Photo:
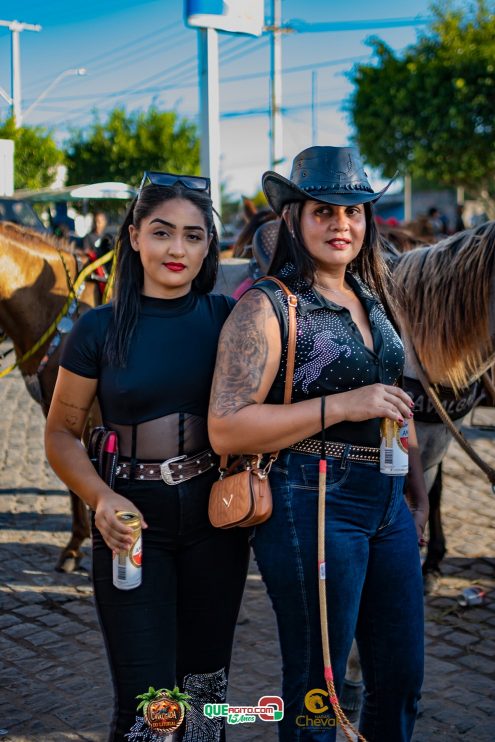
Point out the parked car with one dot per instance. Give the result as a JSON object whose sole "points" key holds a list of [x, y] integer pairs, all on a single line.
{"points": [[20, 212]]}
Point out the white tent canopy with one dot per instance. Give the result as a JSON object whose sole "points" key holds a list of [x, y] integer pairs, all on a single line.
{"points": [[93, 191]]}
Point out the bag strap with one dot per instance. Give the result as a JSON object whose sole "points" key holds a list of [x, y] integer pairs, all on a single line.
{"points": [[291, 358], [291, 345]]}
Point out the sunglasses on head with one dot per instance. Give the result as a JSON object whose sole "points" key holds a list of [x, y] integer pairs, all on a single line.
{"points": [[192, 182]]}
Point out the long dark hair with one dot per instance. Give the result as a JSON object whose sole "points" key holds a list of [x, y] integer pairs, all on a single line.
{"points": [[369, 264], [129, 275]]}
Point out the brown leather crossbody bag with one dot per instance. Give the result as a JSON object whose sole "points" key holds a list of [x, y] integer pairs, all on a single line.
{"points": [[242, 496]]}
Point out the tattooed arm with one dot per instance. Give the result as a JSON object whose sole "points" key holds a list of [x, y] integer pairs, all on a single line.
{"points": [[248, 359], [71, 402], [72, 399]]}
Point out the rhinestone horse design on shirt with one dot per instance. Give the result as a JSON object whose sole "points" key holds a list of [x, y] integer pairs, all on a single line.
{"points": [[324, 352]]}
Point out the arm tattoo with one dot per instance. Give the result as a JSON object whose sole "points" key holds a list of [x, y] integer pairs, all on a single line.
{"points": [[74, 406], [242, 356]]}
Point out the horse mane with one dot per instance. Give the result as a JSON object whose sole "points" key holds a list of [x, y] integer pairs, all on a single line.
{"points": [[443, 292], [402, 238], [33, 239]]}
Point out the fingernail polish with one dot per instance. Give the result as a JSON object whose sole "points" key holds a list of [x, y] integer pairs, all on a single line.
{"points": [[400, 421], [411, 414]]}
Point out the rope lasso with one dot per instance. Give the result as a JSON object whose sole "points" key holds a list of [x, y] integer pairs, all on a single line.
{"points": [[345, 723]]}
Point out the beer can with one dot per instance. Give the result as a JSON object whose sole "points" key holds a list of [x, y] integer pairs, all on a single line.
{"points": [[394, 458], [474, 595], [127, 564]]}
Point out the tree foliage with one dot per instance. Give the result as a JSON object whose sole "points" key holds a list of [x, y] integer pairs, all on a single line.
{"points": [[430, 111], [36, 155], [126, 144]]}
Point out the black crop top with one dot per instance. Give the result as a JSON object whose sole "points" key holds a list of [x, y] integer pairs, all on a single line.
{"points": [[171, 359], [331, 356]]}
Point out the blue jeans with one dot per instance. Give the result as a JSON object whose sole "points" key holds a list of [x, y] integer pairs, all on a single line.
{"points": [[374, 591]]}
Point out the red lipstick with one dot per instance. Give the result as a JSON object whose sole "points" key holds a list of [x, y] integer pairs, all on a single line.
{"points": [[176, 267]]}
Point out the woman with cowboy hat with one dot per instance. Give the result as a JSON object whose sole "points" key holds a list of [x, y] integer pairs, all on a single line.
{"points": [[348, 362]]}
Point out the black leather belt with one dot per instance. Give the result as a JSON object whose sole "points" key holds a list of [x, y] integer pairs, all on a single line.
{"points": [[173, 471], [353, 453]]}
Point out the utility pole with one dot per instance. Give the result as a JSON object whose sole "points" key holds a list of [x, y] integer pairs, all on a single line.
{"points": [[209, 91], [15, 27], [276, 143]]}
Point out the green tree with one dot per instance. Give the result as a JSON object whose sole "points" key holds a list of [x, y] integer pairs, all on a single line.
{"points": [[126, 144], [430, 111], [36, 155]]}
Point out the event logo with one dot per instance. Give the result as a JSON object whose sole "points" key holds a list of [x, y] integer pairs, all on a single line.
{"points": [[269, 708], [313, 700], [316, 702]]}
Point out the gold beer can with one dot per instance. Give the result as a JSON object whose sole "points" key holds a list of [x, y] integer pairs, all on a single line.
{"points": [[127, 573], [394, 444]]}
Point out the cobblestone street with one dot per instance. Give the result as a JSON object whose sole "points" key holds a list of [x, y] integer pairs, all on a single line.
{"points": [[53, 673]]}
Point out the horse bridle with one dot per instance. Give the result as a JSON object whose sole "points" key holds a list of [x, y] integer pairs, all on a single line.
{"points": [[445, 417], [59, 327]]}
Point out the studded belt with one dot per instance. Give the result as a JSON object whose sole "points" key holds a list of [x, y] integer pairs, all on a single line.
{"points": [[173, 471], [338, 450]]}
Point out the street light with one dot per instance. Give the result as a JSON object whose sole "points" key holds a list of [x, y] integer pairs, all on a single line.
{"points": [[79, 71]]}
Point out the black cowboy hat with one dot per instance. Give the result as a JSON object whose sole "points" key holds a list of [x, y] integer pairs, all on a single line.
{"points": [[334, 175]]}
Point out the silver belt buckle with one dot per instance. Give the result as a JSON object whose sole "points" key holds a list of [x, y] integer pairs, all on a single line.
{"points": [[165, 469]]}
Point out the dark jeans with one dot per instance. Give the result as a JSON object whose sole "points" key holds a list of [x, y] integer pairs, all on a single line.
{"points": [[374, 591], [181, 619]]}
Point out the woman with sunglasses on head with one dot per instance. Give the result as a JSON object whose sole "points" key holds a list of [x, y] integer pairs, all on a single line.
{"points": [[148, 358], [348, 363]]}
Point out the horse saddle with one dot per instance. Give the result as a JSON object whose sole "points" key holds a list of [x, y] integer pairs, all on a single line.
{"points": [[264, 242]]}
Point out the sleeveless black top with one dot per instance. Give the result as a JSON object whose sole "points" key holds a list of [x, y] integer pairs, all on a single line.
{"points": [[331, 356]]}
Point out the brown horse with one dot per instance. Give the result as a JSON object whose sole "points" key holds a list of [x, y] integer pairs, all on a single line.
{"points": [[34, 273]]}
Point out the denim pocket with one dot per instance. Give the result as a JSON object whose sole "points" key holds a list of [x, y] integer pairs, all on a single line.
{"points": [[336, 474], [279, 469]]}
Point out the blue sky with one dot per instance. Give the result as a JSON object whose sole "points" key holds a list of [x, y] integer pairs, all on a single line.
{"points": [[138, 53]]}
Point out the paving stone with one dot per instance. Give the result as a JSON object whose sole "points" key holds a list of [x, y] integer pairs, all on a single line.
{"points": [[55, 620], [17, 652], [8, 620], [20, 630], [444, 651], [44, 638], [478, 663], [488, 707], [53, 673], [462, 639], [31, 611], [482, 732], [486, 646], [35, 516]]}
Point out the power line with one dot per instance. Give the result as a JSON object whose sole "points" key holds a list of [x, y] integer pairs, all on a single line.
{"points": [[183, 65], [232, 78], [324, 27], [111, 52], [264, 111]]}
